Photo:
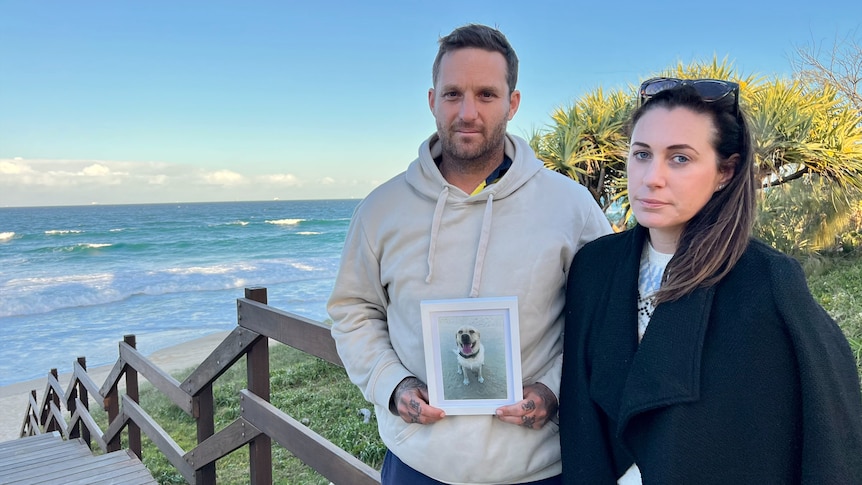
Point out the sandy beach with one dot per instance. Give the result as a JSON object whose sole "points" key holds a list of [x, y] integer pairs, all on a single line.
{"points": [[13, 398]]}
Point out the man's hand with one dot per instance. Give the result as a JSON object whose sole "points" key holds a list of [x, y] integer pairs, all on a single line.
{"points": [[538, 406], [410, 401]]}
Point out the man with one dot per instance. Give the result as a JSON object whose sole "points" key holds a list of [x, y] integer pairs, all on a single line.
{"points": [[476, 215]]}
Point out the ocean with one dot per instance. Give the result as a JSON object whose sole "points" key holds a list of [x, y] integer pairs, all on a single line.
{"points": [[75, 280]]}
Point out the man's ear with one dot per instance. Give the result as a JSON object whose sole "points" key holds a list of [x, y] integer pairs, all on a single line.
{"points": [[514, 102], [431, 99]]}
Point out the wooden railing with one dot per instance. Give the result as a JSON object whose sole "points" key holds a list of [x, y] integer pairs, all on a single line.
{"points": [[258, 424]]}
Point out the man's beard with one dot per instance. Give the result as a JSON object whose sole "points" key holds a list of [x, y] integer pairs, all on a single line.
{"points": [[467, 155]]}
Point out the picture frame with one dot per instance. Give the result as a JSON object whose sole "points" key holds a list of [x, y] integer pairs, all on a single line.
{"points": [[472, 354]]}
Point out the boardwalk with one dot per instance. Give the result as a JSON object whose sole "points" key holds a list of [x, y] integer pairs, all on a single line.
{"points": [[48, 459]]}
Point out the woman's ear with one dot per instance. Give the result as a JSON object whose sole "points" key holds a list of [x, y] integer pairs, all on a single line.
{"points": [[726, 171]]}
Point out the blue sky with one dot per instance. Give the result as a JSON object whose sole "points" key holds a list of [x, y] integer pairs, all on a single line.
{"points": [[185, 101]]}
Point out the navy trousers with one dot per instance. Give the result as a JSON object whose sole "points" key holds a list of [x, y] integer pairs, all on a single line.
{"points": [[396, 472]]}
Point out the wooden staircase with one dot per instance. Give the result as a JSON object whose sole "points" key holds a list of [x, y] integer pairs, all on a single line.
{"points": [[48, 459]]}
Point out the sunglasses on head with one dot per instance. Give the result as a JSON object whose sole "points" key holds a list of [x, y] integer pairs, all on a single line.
{"points": [[710, 90]]}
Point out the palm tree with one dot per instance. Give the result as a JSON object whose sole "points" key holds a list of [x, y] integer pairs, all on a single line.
{"points": [[588, 143], [799, 130], [809, 214]]}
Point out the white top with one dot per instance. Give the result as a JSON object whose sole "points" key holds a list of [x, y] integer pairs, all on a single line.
{"points": [[650, 274]]}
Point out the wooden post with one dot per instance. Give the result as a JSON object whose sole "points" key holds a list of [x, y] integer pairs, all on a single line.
{"points": [[48, 422], [132, 391], [85, 401], [204, 410], [72, 406], [257, 362], [111, 404], [27, 425]]}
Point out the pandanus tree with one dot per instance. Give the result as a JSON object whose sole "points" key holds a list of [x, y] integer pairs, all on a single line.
{"points": [[800, 130], [587, 141]]}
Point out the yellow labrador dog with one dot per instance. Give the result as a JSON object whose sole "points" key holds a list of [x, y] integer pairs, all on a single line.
{"points": [[471, 353]]}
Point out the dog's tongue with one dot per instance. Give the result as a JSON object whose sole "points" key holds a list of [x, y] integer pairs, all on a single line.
{"points": [[467, 349]]}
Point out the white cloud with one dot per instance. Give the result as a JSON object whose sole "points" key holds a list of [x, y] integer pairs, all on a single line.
{"points": [[96, 170], [12, 167], [224, 177], [160, 179], [287, 179], [31, 182]]}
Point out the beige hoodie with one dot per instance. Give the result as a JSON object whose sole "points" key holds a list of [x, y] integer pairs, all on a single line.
{"points": [[417, 237]]}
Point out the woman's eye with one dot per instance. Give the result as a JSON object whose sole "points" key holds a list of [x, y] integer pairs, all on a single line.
{"points": [[680, 158], [640, 155]]}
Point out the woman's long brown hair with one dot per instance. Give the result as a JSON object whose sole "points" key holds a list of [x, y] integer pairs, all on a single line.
{"points": [[715, 238]]}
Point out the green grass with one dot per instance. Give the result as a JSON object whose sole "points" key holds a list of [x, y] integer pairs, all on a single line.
{"points": [[320, 396], [837, 284]]}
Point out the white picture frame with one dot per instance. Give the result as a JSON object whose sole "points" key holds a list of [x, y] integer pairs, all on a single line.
{"points": [[456, 388]]}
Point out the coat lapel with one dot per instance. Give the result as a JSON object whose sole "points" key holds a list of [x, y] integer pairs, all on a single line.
{"points": [[666, 366], [613, 334], [627, 378]]}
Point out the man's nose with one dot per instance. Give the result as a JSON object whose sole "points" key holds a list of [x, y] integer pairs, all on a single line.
{"points": [[468, 109]]}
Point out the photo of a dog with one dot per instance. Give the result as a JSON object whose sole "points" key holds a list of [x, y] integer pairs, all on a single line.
{"points": [[471, 353], [472, 358], [482, 370]]}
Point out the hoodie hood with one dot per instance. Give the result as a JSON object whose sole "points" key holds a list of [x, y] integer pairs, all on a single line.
{"points": [[425, 177]]}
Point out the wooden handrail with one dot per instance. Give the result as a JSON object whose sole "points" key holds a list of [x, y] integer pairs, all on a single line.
{"points": [[259, 423], [335, 464], [80, 376], [231, 349], [159, 437], [298, 332], [82, 414], [221, 444], [160, 379]]}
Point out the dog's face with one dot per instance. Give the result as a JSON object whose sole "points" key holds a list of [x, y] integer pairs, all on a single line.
{"points": [[467, 340]]}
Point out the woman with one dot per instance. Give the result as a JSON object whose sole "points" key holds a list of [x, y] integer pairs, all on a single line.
{"points": [[694, 354]]}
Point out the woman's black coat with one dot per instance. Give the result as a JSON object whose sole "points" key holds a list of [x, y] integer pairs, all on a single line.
{"points": [[748, 381]]}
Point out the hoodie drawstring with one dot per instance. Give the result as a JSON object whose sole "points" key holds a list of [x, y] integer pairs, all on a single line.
{"points": [[482, 249], [435, 229]]}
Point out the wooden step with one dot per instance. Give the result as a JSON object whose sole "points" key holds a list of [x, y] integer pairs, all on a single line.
{"points": [[48, 459]]}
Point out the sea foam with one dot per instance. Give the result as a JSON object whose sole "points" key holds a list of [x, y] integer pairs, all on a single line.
{"points": [[285, 222]]}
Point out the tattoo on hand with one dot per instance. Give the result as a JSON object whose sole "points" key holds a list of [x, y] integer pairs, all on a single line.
{"points": [[529, 405], [414, 406], [548, 398], [528, 421], [408, 384], [415, 411]]}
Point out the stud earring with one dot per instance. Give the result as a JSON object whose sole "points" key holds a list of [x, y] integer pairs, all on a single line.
{"points": [[720, 186]]}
